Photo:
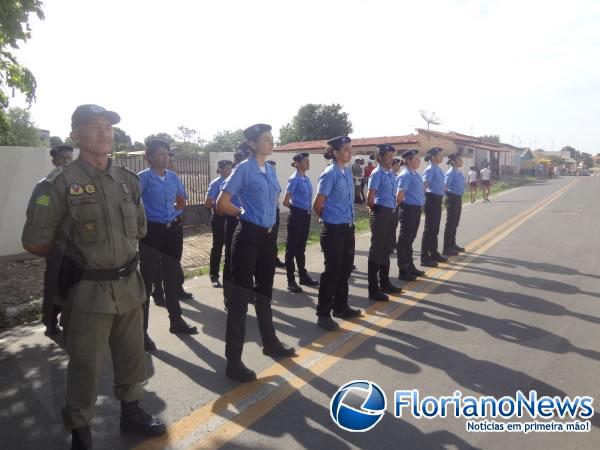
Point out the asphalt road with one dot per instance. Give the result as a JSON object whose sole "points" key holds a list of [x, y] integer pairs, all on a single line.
{"points": [[518, 311]]}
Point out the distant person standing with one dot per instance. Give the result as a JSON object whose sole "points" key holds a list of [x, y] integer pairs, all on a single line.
{"points": [[433, 179], [472, 179], [61, 156], [162, 194], [357, 176], [410, 199], [334, 204], [383, 220], [486, 181], [397, 167], [455, 188], [218, 220], [298, 198]]}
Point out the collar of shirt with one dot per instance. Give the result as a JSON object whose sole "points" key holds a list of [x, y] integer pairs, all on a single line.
{"points": [[93, 171]]}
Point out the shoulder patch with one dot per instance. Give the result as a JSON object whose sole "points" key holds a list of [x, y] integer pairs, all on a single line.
{"points": [[129, 171], [54, 174]]}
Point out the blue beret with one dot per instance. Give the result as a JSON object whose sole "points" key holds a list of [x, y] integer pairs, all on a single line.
{"points": [[384, 148], [409, 154], [253, 133], [454, 156], [300, 156], [338, 141]]}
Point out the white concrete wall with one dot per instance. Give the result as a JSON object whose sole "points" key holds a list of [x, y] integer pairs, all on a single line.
{"points": [[20, 170]]}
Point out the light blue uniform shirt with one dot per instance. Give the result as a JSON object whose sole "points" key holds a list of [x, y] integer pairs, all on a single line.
{"points": [[455, 181], [159, 196], [337, 185], [434, 175], [301, 189], [258, 192], [214, 188], [384, 183], [411, 184]]}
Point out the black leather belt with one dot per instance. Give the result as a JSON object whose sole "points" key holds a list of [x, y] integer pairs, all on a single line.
{"points": [[111, 274]]}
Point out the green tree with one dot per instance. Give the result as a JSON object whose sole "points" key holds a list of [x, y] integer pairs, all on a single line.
{"points": [[121, 140], [587, 160], [314, 122], [138, 146], [55, 141], [490, 138], [22, 131], [188, 149], [225, 141], [14, 28], [162, 136]]}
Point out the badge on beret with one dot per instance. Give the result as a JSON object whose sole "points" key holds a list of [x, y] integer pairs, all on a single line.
{"points": [[125, 188], [89, 188], [75, 189]]}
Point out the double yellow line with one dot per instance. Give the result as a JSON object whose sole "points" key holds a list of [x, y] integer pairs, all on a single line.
{"points": [[293, 375]]}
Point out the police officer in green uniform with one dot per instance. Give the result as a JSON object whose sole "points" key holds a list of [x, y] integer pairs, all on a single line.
{"points": [[91, 211]]}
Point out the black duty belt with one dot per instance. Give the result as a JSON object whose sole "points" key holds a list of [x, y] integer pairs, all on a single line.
{"points": [[111, 274]]}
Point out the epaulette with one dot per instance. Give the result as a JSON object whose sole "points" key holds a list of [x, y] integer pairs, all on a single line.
{"points": [[54, 174], [129, 171]]}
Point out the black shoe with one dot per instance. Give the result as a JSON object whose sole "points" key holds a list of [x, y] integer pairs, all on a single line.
{"points": [[348, 313], [239, 372], [459, 249], [278, 350], [149, 344], [159, 300], [327, 323], [279, 264], [81, 438], [389, 288], [450, 252], [439, 258], [416, 272], [216, 283], [353, 267], [183, 295], [429, 263], [135, 419], [378, 296], [180, 327], [306, 280], [406, 276], [293, 287]]}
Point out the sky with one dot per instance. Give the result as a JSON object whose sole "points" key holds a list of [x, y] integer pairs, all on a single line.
{"points": [[528, 71]]}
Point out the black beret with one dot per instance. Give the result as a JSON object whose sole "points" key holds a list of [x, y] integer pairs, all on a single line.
{"points": [[60, 148], [382, 149], [338, 141], [86, 113], [300, 156], [454, 156], [409, 154], [432, 152], [253, 133]]}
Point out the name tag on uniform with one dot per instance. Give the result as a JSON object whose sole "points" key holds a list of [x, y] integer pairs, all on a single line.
{"points": [[84, 201], [125, 188]]}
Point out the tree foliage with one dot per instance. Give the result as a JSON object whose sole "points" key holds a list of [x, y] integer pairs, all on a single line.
{"points": [[225, 141], [490, 138], [121, 140], [55, 141], [315, 122], [22, 131], [14, 29], [162, 136]]}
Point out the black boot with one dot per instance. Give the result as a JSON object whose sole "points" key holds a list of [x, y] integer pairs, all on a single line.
{"points": [[159, 298], [149, 344], [214, 281], [279, 264], [406, 275], [239, 372], [327, 323], [306, 280], [81, 438], [450, 251], [278, 350], [429, 263], [134, 418], [178, 326], [374, 292], [439, 258], [293, 286], [416, 272], [384, 281]]}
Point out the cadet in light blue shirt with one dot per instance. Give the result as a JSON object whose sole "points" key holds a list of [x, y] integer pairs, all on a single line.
{"points": [[410, 199], [334, 204], [381, 200], [299, 199], [455, 188], [253, 252], [160, 193], [433, 177], [217, 221]]}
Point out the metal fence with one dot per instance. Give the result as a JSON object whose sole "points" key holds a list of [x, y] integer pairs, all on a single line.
{"points": [[193, 171]]}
